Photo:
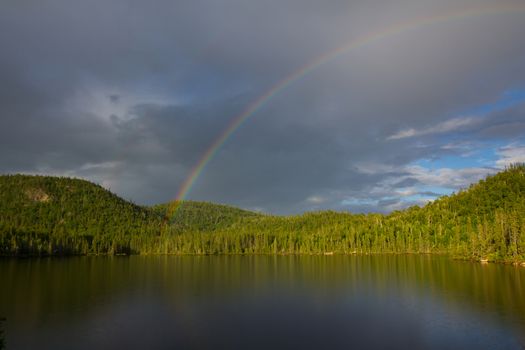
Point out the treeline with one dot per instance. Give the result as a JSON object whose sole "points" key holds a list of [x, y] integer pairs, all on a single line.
{"points": [[45, 215], [200, 216], [42, 215]]}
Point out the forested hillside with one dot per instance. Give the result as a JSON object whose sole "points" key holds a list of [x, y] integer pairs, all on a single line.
{"points": [[45, 215], [49, 215], [200, 216]]}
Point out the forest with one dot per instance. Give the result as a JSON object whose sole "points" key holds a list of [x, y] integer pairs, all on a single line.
{"points": [[43, 215]]}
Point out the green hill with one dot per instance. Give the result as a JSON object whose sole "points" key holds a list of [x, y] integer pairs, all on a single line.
{"points": [[48, 215], [201, 216], [485, 221], [45, 215]]}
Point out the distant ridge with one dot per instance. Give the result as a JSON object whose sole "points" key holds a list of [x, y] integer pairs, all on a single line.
{"points": [[203, 216], [44, 215]]}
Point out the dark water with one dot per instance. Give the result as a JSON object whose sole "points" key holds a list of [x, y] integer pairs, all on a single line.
{"points": [[265, 302]]}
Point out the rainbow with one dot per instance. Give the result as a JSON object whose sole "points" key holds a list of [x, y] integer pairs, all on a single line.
{"points": [[368, 39]]}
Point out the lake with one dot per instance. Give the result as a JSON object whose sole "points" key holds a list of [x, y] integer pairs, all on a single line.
{"points": [[261, 302]]}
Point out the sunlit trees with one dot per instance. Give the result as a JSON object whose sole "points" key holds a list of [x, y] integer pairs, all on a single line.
{"points": [[47, 216]]}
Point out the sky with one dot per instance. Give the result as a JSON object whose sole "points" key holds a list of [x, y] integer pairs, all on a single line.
{"points": [[402, 101]]}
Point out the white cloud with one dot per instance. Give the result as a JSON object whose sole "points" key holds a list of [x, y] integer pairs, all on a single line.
{"points": [[454, 179], [408, 192], [462, 148], [513, 153], [421, 185], [315, 199], [99, 166], [446, 126], [441, 177], [372, 168]]}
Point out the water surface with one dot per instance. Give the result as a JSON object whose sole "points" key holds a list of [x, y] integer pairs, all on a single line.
{"points": [[261, 302]]}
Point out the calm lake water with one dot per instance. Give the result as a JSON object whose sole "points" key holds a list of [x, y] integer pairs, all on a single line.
{"points": [[265, 302]]}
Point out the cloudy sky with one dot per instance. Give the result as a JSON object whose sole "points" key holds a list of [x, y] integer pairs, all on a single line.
{"points": [[131, 94]]}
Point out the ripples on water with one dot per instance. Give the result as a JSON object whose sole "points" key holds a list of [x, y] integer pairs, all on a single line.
{"points": [[247, 302]]}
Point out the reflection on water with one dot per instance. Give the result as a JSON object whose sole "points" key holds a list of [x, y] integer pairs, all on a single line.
{"points": [[2, 339], [262, 302]]}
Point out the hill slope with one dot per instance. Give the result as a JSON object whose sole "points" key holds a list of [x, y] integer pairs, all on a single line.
{"points": [[43, 214], [485, 221], [201, 216], [46, 215]]}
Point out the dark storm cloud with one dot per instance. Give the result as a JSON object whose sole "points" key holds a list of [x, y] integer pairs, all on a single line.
{"points": [[407, 182], [131, 94], [505, 124], [429, 194]]}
